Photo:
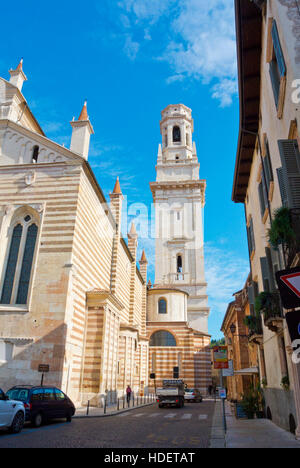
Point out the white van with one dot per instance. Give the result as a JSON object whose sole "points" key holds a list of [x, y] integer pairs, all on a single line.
{"points": [[12, 414]]}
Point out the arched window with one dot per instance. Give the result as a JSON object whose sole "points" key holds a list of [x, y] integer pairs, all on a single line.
{"points": [[176, 134], [22, 244], [162, 306], [35, 154], [179, 264], [162, 338]]}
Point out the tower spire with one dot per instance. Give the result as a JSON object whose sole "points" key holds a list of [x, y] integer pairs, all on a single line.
{"points": [[81, 133], [17, 76]]}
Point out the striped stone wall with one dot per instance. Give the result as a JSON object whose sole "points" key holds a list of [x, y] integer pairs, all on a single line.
{"points": [[191, 355]]}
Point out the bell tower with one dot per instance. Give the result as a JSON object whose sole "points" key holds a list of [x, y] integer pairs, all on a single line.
{"points": [[179, 198]]}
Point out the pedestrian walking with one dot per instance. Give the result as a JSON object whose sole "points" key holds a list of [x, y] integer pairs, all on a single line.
{"points": [[128, 394]]}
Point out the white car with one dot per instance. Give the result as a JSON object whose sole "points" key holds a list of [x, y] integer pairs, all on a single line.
{"points": [[193, 395], [12, 414]]}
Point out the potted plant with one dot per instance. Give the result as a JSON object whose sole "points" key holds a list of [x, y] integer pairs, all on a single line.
{"points": [[250, 404], [268, 304], [282, 233], [264, 382], [285, 383]]}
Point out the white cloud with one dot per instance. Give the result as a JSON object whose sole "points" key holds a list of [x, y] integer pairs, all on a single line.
{"points": [[131, 48], [224, 91], [226, 273], [201, 40], [143, 9]]}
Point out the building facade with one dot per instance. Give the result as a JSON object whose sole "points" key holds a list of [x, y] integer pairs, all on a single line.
{"points": [[244, 355], [177, 304], [71, 294], [267, 178]]}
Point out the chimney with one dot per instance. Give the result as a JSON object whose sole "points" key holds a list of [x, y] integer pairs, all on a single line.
{"points": [[17, 76], [82, 131]]}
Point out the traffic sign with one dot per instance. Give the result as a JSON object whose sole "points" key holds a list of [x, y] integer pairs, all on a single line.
{"points": [[288, 282], [222, 393], [220, 357], [44, 368]]}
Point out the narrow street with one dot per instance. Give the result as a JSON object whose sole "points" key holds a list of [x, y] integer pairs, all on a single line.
{"points": [[148, 427]]}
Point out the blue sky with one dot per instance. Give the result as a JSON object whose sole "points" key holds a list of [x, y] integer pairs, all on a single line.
{"points": [[130, 59]]}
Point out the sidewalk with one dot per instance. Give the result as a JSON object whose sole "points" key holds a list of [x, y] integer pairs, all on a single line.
{"points": [[256, 433], [111, 410]]}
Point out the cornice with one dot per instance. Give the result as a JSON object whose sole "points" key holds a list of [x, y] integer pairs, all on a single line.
{"points": [[101, 297], [161, 290]]}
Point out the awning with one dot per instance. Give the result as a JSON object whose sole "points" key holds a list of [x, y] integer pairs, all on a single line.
{"points": [[249, 371]]}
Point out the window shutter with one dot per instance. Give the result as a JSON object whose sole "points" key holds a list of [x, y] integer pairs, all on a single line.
{"points": [[290, 158], [249, 241], [282, 187], [252, 235], [275, 80], [265, 273], [278, 49], [268, 166], [270, 269], [263, 201], [251, 298]]}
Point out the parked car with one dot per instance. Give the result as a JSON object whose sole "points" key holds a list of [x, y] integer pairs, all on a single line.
{"points": [[193, 395], [12, 414], [43, 403]]}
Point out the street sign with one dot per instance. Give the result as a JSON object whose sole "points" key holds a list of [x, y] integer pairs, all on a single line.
{"points": [[293, 323], [230, 371], [288, 282], [222, 393], [44, 368], [220, 354]]}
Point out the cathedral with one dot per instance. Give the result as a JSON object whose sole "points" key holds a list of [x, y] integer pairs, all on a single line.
{"points": [[73, 294]]}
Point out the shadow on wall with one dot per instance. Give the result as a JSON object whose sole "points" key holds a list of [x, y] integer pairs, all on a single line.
{"points": [[23, 357]]}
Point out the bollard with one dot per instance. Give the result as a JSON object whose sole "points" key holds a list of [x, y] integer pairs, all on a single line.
{"points": [[123, 401], [88, 408], [118, 404], [105, 405]]}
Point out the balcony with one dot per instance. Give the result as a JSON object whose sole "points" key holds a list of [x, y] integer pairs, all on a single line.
{"points": [[268, 304], [274, 320], [255, 327]]}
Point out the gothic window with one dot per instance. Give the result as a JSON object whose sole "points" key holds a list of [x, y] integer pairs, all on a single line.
{"points": [[35, 154], [21, 249], [162, 338], [162, 306], [176, 134]]}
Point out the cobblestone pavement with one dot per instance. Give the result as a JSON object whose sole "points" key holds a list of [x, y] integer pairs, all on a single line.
{"points": [[149, 427]]}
